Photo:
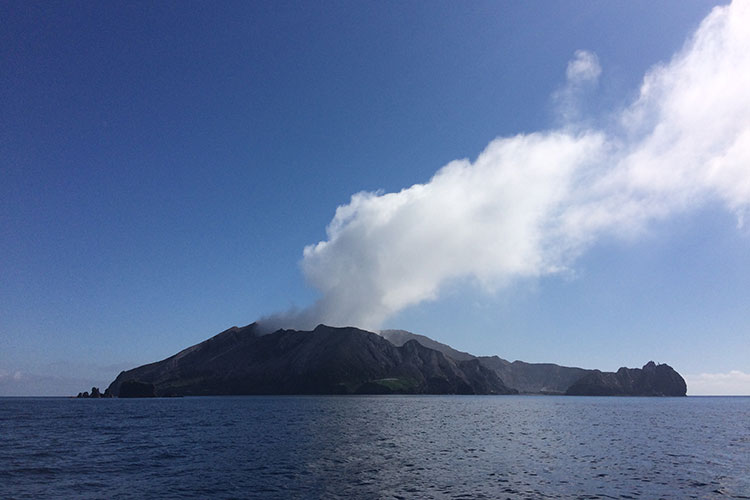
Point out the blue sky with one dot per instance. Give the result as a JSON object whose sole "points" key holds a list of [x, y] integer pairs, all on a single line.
{"points": [[164, 166]]}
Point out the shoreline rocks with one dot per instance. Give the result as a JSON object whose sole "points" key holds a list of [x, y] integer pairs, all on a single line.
{"points": [[95, 394]]}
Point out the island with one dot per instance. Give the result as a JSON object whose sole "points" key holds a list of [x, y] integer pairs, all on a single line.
{"points": [[331, 360]]}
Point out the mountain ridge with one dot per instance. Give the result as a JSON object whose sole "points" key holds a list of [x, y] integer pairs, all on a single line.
{"points": [[527, 378], [348, 360], [326, 360]]}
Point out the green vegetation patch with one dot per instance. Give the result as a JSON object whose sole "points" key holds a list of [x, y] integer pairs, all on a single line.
{"points": [[397, 384]]}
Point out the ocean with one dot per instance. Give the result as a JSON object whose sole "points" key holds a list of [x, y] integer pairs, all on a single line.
{"points": [[375, 447]]}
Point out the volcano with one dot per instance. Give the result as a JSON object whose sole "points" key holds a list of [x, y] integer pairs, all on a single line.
{"points": [[329, 360]]}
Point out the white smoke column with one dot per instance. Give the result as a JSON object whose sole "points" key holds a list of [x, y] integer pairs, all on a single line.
{"points": [[530, 204]]}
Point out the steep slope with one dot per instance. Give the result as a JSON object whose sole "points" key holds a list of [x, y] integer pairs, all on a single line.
{"points": [[530, 378], [534, 378], [324, 361], [401, 337]]}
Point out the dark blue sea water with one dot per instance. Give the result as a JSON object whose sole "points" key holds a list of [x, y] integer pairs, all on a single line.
{"points": [[375, 447]]}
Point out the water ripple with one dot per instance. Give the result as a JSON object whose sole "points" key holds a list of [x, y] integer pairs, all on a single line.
{"points": [[376, 447]]}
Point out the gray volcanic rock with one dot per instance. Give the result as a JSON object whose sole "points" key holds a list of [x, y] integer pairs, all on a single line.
{"points": [[527, 378], [534, 378], [549, 378], [351, 361], [401, 337], [94, 394], [651, 380], [323, 361], [136, 389]]}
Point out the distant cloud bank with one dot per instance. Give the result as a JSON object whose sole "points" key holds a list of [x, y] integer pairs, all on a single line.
{"points": [[529, 205], [734, 383]]}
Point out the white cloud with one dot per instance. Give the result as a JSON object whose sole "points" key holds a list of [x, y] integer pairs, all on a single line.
{"points": [[487, 219], [734, 383], [530, 204], [582, 76], [584, 67]]}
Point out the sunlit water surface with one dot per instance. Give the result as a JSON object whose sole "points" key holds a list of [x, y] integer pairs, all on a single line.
{"points": [[375, 447]]}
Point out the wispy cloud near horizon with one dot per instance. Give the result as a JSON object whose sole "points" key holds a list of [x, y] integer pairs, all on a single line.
{"points": [[530, 204], [732, 383]]}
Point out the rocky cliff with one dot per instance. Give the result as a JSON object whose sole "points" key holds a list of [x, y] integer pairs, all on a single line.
{"points": [[549, 378], [651, 380], [526, 378]]}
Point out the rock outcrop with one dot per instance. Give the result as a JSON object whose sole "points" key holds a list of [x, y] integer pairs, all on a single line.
{"points": [[94, 394], [651, 380]]}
